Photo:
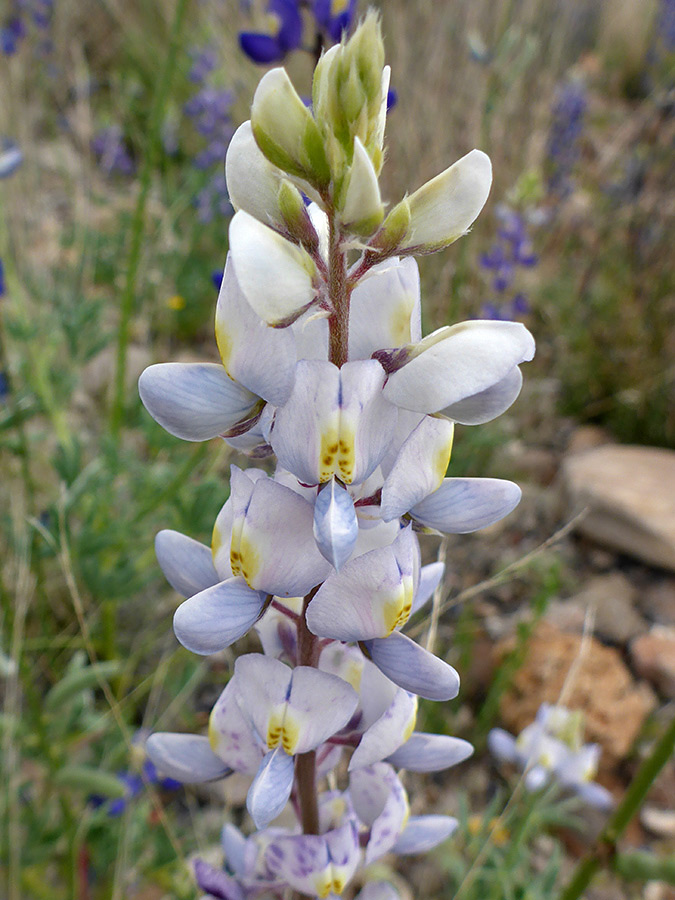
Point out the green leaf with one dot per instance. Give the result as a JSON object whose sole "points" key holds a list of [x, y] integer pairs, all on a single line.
{"points": [[80, 680], [91, 781]]}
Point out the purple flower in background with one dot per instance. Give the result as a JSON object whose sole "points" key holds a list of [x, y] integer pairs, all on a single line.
{"points": [[134, 784], [562, 146], [666, 26], [10, 35], [335, 16], [2, 279], [204, 61], [26, 15], [512, 250], [284, 33], [110, 150]]}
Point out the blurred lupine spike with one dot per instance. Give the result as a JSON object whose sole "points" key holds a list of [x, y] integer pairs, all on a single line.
{"points": [[112, 154], [563, 142], [325, 367], [512, 251], [551, 749]]}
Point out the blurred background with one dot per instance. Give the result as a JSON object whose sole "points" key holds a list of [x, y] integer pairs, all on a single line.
{"points": [[115, 118]]}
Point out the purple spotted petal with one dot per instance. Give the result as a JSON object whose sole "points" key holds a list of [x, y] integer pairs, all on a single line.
{"points": [[413, 668], [232, 735], [186, 757], [463, 505], [302, 861], [335, 524], [381, 803], [218, 616], [216, 883], [187, 564], [423, 833], [271, 788], [195, 401]]}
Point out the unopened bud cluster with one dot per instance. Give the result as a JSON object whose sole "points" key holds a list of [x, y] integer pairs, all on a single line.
{"points": [[326, 377]]}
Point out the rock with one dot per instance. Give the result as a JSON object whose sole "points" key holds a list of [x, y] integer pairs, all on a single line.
{"points": [[567, 615], [660, 822], [630, 495], [657, 601], [653, 656], [612, 597], [602, 687], [99, 373]]}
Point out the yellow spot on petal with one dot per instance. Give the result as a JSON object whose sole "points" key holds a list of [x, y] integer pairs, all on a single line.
{"points": [[275, 727], [176, 302], [338, 6], [225, 346], [346, 459], [441, 460], [249, 560], [323, 882], [327, 454], [400, 322], [216, 541], [339, 882], [410, 725]]}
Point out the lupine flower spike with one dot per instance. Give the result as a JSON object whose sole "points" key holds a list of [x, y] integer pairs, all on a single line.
{"points": [[327, 379], [552, 749]]}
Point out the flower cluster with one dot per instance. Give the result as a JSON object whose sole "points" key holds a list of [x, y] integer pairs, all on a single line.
{"points": [[282, 28], [552, 748], [24, 16], [111, 152], [562, 146], [209, 110], [326, 376], [512, 250]]}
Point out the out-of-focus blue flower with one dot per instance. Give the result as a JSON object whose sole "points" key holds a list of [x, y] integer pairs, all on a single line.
{"points": [[283, 34], [512, 250], [11, 157], [4, 386], [2, 279], [10, 36], [134, 784], [562, 146], [335, 16], [666, 26], [26, 14], [217, 278], [111, 153], [209, 110]]}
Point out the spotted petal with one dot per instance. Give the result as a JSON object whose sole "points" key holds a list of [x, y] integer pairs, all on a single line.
{"points": [[371, 596], [186, 757], [413, 668], [381, 803], [463, 505], [419, 468], [271, 788], [297, 709], [423, 833], [316, 865], [187, 564], [275, 275], [217, 883], [257, 356], [457, 362], [195, 401], [218, 616], [430, 752], [232, 735]]}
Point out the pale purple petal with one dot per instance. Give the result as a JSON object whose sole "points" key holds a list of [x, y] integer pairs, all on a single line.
{"points": [[388, 732], [335, 524], [430, 578], [423, 833], [187, 564], [378, 890], [216, 883], [595, 795], [302, 862], [195, 401], [345, 854], [536, 778], [218, 616], [502, 745], [186, 757], [463, 505], [367, 420], [273, 544], [254, 354], [419, 468], [381, 803], [234, 847], [232, 735], [489, 403], [370, 596], [430, 752], [413, 668], [271, 788]]}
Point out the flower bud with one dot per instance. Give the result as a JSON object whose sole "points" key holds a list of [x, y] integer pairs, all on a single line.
{"points": [[295, 216], [285, 130], [393, 230], [361, 204]]}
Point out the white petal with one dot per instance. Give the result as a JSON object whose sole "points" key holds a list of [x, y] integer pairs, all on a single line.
{"points": [[218, 616], [423, 833], [194, 401], [271, 788], [388, 732], [385, 309], [430, 753], [414, 668], [430, 578], [252, 180], [419, 468], [275, 275], [254, 354], [458, 362], [231, 734], [444, 208]]}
